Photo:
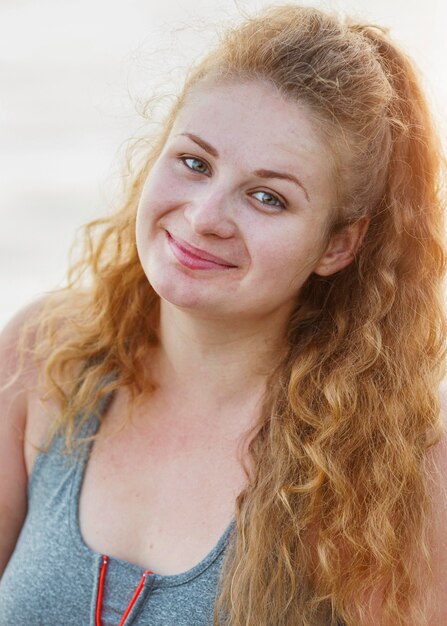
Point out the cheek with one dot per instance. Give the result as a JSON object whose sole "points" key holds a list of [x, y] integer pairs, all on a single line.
{"points": [[285, 261], [159, 195], [290, 255]]}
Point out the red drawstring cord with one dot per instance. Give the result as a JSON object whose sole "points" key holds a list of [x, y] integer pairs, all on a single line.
{"points": [[135, 597], [102, 576]]}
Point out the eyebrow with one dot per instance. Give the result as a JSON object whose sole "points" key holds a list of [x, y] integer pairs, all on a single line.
{"points": [[262, 173]]}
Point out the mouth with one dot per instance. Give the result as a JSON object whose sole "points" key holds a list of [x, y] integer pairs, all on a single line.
{"points": [[193, 257]]}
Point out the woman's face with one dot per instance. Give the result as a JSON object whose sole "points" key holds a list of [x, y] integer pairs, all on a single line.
{"points": [[232, 216]]}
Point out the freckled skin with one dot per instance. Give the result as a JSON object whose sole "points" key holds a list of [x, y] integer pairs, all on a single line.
{"points": [[218, 205]]}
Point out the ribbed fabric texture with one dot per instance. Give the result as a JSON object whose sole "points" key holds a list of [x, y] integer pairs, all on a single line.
{"points": [[52, 577]]}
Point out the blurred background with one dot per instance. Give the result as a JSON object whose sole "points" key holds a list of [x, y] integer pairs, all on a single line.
{"points": [[74, 78]]}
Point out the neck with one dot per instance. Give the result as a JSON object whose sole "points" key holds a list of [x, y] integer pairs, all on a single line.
{"points": [[214, 362]]}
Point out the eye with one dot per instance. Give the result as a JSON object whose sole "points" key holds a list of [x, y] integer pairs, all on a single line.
{"points": [[197, 165], [271, 200]]}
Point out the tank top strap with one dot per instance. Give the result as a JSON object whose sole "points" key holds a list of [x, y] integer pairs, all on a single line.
{"points": [[54, 458]]}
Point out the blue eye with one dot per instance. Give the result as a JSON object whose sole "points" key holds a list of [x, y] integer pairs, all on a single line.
{"points": [[274, 201], [192, 167], [201, 167]]}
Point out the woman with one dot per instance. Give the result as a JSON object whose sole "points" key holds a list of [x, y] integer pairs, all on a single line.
{"points": [[241, 403]]}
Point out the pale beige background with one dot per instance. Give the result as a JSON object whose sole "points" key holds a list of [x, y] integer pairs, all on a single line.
{"points": [[73, 75]]}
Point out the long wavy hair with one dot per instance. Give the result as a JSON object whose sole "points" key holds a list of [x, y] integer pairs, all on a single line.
{"points": [[336, 506]]}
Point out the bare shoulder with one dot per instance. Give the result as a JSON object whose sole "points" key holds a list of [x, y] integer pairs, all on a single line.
{"points": [[17, 370], [17, 375], [23, 420], [438, 454], [443, 399], [437, 466]]}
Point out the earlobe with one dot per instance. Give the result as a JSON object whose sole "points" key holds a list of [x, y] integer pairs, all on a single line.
{"points": [[342, 247]]}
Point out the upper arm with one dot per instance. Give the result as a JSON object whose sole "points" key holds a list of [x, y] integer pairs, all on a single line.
{"points": [[13, 413]]}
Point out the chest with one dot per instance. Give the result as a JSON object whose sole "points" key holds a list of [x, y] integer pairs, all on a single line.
{"points": [[159, 498], [158, 491]]}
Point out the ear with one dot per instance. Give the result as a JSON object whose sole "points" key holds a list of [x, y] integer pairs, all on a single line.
{"points": [[342, 248]]}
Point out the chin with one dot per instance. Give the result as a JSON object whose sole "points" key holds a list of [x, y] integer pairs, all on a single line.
{"points": [[182, 292]]}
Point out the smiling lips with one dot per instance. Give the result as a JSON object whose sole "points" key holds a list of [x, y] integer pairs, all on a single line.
{"points": [[195, 258]]}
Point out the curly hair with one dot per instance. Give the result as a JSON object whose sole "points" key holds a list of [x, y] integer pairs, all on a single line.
{"points": [[338, 499]]}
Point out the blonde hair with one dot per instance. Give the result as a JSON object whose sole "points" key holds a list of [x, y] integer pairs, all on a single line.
{"points": [[338, 501]]}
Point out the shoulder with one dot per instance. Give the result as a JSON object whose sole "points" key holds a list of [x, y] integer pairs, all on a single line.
{"points": [[18, 378], [17, 369], [437, 468], [443, 400], [19, 366], [23, 417], [437, 455]]}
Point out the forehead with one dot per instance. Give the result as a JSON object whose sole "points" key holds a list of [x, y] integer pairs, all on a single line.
{"points": [[253, 124], [255, 109]]}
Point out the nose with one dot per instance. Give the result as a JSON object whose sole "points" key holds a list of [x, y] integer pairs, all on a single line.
{"points": [[210, 213]]}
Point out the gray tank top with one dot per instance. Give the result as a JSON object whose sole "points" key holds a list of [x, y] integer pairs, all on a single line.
{"points": [[53, 578]]}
